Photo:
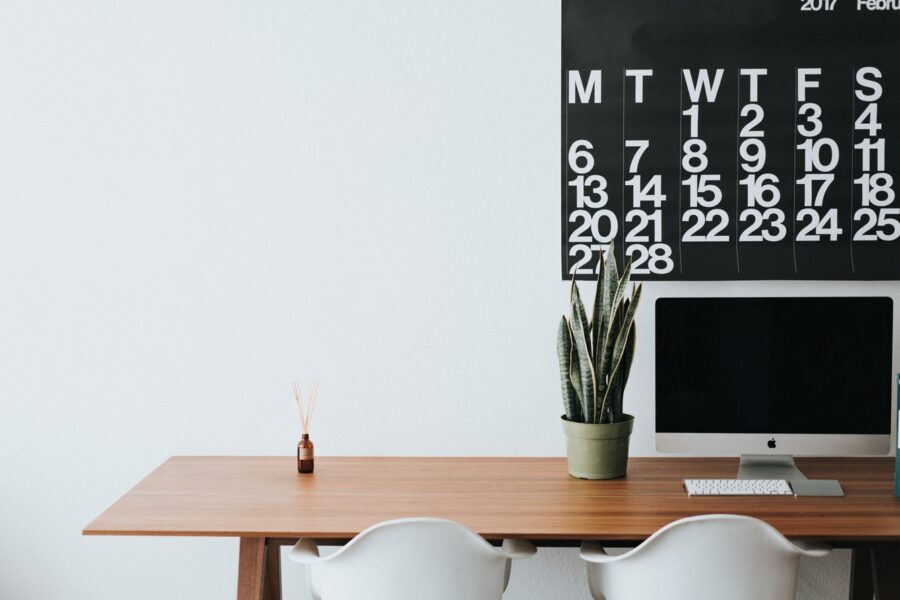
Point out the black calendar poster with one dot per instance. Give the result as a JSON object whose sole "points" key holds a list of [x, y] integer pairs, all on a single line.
{"points": [[732, 139]]}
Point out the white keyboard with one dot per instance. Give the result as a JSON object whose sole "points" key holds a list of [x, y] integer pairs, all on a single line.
{"points": [[737, 487]]}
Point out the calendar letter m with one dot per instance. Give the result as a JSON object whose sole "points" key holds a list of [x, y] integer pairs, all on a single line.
{"points": [[583, 93]]}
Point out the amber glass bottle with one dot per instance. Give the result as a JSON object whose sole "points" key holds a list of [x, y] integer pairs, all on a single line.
{"points": [[305, 457]]}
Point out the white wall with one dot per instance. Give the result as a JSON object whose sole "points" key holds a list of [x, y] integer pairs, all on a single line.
{"points": [[202, 200]]}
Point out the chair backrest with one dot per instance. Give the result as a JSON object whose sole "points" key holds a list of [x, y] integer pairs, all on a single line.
{"points": [[412, 559], [711, 557]]}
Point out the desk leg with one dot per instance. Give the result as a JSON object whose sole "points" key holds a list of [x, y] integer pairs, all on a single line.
{"points": [[251, 568], [885, 565], [259, 570], [862, 587], [272, 583], [874, 571]]}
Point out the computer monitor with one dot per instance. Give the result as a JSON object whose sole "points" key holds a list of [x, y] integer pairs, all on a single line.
{"points": [[795, 376]]}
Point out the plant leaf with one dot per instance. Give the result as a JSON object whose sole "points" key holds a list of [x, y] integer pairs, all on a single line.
{"points": [[611, 264], [629, 352], [617, 395], [580, 336], [614, 406], [571, 403], [613, 328], [575, 370], [597, 309], [606, 287], [620, 344], [579, 313], [610, 278]]}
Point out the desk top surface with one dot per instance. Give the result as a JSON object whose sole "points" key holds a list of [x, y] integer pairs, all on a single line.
{"points": [[498, 497]]}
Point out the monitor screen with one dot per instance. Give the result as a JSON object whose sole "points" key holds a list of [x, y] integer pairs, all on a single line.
{"points": [[774, 365]]}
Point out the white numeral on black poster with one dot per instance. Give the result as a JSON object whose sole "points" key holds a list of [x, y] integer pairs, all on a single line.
{"points": [[761, 214], [595, 225], [877, 218]]}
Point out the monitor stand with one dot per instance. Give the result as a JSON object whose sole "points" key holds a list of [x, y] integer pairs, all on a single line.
{"points": [[769, 466]]}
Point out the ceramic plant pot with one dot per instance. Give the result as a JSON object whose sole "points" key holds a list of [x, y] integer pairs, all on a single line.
{"points": [[598, 451]]}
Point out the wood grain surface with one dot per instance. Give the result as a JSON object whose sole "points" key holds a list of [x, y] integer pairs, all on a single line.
{"points": [[251, 568], [532, 498]]}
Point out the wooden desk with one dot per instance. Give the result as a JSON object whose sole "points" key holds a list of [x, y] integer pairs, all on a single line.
{"points": [[264, 502]]}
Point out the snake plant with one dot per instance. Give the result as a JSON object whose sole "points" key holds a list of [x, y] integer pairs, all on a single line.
{"points": [[595, 354]]}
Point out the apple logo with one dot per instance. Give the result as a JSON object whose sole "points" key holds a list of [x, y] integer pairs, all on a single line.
{"points": [[771, 443]]}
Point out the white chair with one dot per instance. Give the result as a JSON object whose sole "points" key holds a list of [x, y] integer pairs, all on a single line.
{"points": [[411, 559], [711, 557]]}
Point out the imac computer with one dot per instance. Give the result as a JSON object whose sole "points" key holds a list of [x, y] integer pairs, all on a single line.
{"points": [[768, 378]]}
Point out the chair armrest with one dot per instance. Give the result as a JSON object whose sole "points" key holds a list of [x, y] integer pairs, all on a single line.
{"points": [[305, 551], [812, 548], [592, 551], [515, 548]]}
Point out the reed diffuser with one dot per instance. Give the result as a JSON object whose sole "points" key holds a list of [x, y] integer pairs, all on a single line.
{"points": [[305, 449]]}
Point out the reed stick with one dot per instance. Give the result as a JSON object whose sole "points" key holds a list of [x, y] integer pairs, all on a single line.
{"points": [[305, 407]]}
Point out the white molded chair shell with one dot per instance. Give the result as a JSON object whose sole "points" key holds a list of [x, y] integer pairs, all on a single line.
{"points": [[411, 559], [710, 557]]}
